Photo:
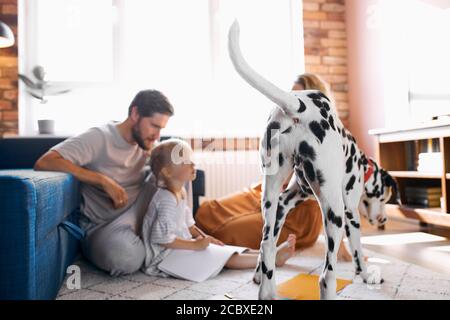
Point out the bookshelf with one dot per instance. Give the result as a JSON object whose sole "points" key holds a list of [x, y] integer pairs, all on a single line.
{"points": [[397, 150]]}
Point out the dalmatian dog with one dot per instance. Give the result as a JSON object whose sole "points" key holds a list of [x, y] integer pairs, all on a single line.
{"points": [[305, 138]]}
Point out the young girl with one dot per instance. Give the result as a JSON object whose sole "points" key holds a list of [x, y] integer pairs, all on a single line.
{"points": [[169, 223]]}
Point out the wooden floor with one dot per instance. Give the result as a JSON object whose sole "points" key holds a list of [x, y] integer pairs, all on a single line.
{"points": [[426, 246]]}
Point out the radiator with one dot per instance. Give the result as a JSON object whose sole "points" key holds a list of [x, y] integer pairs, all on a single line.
{"points": [[228, 172]]}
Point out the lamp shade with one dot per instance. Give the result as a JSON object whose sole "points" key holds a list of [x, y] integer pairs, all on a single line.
{"points": [[6, 36]]}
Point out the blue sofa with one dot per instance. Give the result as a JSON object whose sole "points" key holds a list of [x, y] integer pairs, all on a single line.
{"points": [[36, 210]]}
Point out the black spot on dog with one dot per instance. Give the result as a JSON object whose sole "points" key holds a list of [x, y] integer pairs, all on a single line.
{"points": [[358, 264], [298, 202], [320, 177], [375, 190], [270, 274], [290, 196], [350, 183], [331, 122], [366, 204], [334, 219], [274, 125], [349, 215], [347, 231], [352, 150], [348, 165], [315, 96], [280, 159], [299, 173], [318, 103], [297, 159], [317, 130], [302, 107], [343, 133], [258, 268], [307, 151], [264, 268], [267, 205], [323, 113], [330, 244], [309, 170], [289, 129], [355, 224], [326, 106], [330, 267], [324, 124], [276, 229], [280, 212], [266, 232], [323, 96]]}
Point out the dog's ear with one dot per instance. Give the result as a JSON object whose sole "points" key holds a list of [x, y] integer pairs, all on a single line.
{"points": [[389, 181]]}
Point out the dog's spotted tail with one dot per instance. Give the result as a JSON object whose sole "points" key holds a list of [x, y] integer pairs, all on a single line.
{"points": [[287, 102]]}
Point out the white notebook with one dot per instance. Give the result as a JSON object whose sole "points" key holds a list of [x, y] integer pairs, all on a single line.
{"points": [[198, 266]]}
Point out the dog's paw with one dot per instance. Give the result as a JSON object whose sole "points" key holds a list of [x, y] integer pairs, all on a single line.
{"points": [[372, 276], [373, 281]]}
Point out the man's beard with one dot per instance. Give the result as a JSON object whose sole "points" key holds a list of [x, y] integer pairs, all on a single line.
{"points": [[136, 133]]}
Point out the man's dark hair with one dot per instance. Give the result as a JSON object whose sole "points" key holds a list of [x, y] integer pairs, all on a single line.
{"points": [[149, 102]]}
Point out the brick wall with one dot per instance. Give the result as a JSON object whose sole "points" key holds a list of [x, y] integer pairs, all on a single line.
{"points": [[8, 73], [326, 47]]}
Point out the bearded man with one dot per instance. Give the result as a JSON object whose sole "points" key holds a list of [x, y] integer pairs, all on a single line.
{"points": [[117, 186]]}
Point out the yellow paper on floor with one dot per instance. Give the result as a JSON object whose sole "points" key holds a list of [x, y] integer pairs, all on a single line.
{"points": [[305, 287]]}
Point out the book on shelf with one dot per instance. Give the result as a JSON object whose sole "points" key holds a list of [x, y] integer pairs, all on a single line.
{"points": [[423, 191], [424, 202], [430, 162], [423, 196]]}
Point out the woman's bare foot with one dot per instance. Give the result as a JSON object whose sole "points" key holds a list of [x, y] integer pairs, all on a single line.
{"points": [[285, 250]]}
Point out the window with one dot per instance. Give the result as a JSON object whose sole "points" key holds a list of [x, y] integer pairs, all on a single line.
{"points": [[118, 47], [429, 60], [74, 39], [416, 64]]}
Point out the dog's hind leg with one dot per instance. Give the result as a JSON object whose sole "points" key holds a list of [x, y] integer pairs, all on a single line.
{"points": [[287, 200], [329, 196], [353, 233], [271, 187]]}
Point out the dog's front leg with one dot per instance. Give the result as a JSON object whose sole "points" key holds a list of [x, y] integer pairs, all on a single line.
{"points": [[353, 233]]}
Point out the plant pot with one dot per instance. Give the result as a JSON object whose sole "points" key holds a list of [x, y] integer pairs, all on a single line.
{"points": [[46, 126]]}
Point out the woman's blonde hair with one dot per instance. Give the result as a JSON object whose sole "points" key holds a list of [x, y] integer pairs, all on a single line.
{"points": [[311, 81], [167, 153]]}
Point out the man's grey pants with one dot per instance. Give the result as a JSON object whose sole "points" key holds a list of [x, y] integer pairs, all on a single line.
{"points": [[117, 246]]}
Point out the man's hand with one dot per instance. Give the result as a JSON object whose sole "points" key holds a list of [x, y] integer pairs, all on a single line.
{"points": [[117, 194], [53, 161]]}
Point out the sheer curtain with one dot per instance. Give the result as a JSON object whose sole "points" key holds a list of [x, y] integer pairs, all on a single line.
{"points": [[180, 48]]}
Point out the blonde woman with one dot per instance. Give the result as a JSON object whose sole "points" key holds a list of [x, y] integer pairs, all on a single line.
{"points": [[237, 219]]}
